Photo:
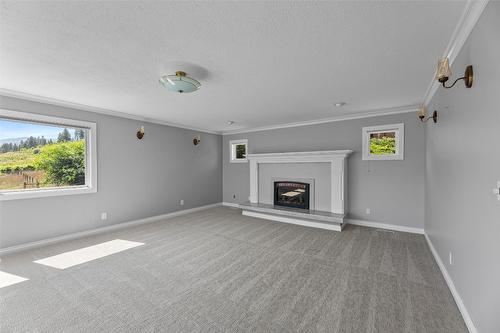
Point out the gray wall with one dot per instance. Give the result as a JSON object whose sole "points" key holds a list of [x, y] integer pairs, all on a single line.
{"points": [[394, 190], [136, 178], [463, 166]]}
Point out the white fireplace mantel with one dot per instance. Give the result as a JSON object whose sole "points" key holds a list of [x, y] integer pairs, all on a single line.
{"points": [[336, 158]]}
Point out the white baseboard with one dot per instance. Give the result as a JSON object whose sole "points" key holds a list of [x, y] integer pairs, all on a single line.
{"points": [[386, 226], [363, 223], [67, 237], [231, 204], [451, 286]]}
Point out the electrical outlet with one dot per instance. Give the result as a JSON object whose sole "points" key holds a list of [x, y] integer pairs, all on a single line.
{"points": [[368, 211], [104, 216], [451, 259], [181, 202]]}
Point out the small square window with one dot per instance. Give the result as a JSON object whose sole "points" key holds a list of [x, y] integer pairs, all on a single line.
{"points": [[384, 142], [238, 150]]}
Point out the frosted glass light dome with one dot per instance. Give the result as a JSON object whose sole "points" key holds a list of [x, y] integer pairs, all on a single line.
{"points": [[180, 83], [443, 71]]}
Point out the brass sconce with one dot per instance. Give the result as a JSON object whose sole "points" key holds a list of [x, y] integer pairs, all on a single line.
{"points": [[196, 140], [422, 113], [444, 72], [140, 133]]}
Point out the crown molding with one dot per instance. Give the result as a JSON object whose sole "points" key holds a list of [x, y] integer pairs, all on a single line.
{"points": [[84, 107], [357, 115], [472, 11]]}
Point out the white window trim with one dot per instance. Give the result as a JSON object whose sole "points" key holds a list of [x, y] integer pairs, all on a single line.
{"points": [[400, 136], [90, 151], [232, 153]]}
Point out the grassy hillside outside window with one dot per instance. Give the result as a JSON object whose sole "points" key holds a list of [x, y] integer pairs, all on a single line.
{"points": [[40, 153], [383, 142]]}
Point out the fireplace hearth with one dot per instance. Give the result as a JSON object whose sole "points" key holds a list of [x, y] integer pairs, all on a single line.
{"points": [[267, 198], [291, 194]]}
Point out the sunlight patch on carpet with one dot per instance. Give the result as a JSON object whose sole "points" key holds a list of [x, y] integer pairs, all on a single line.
{"points": [[7, 279], [86, 254]]}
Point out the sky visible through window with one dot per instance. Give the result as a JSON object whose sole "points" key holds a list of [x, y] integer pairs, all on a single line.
{"points": [[14, 131], [37, 155]]}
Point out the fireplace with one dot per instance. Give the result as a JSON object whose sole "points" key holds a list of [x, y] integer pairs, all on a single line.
{"points": [[291, 194]]}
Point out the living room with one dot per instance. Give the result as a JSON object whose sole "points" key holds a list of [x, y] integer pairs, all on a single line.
{"points": [[326, 166]]}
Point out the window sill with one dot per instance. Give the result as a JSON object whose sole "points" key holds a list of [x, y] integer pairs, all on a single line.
{"points": [[243, 160], [383, 158], [52, 192]]}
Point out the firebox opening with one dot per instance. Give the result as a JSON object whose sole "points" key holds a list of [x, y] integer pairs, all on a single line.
{"points": [[291, 194]]}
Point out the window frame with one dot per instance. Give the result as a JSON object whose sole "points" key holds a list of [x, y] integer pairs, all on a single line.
{"points": [[399, 130], [90, 156], [232, 151]]}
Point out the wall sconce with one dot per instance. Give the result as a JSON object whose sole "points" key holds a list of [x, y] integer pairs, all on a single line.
{"points": [[140, 133], [196, 140], [422, 113], [444, 72]]}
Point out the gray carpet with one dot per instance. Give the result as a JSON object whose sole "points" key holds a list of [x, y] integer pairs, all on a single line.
{"points": [[218, 271]]}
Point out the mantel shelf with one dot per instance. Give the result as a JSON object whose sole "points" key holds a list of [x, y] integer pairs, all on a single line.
{"points": [[301, 155]]}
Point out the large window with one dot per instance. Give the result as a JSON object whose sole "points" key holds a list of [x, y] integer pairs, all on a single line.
{"points": [[384, 142], [45, 156]]}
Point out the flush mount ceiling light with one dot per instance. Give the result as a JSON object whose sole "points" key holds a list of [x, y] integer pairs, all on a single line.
{"points": [[444, 72], [230, 122], [180, 83], [339, 104]]}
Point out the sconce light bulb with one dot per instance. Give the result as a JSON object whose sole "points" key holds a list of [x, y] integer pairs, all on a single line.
{"points": [[140, 133], [443, 71], [422, 111]]}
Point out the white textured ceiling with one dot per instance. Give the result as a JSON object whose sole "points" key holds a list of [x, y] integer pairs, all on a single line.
{"points": [[260, 63]]}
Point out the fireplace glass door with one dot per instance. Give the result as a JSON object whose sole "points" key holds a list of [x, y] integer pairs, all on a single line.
{"points": [[291, 194]]}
